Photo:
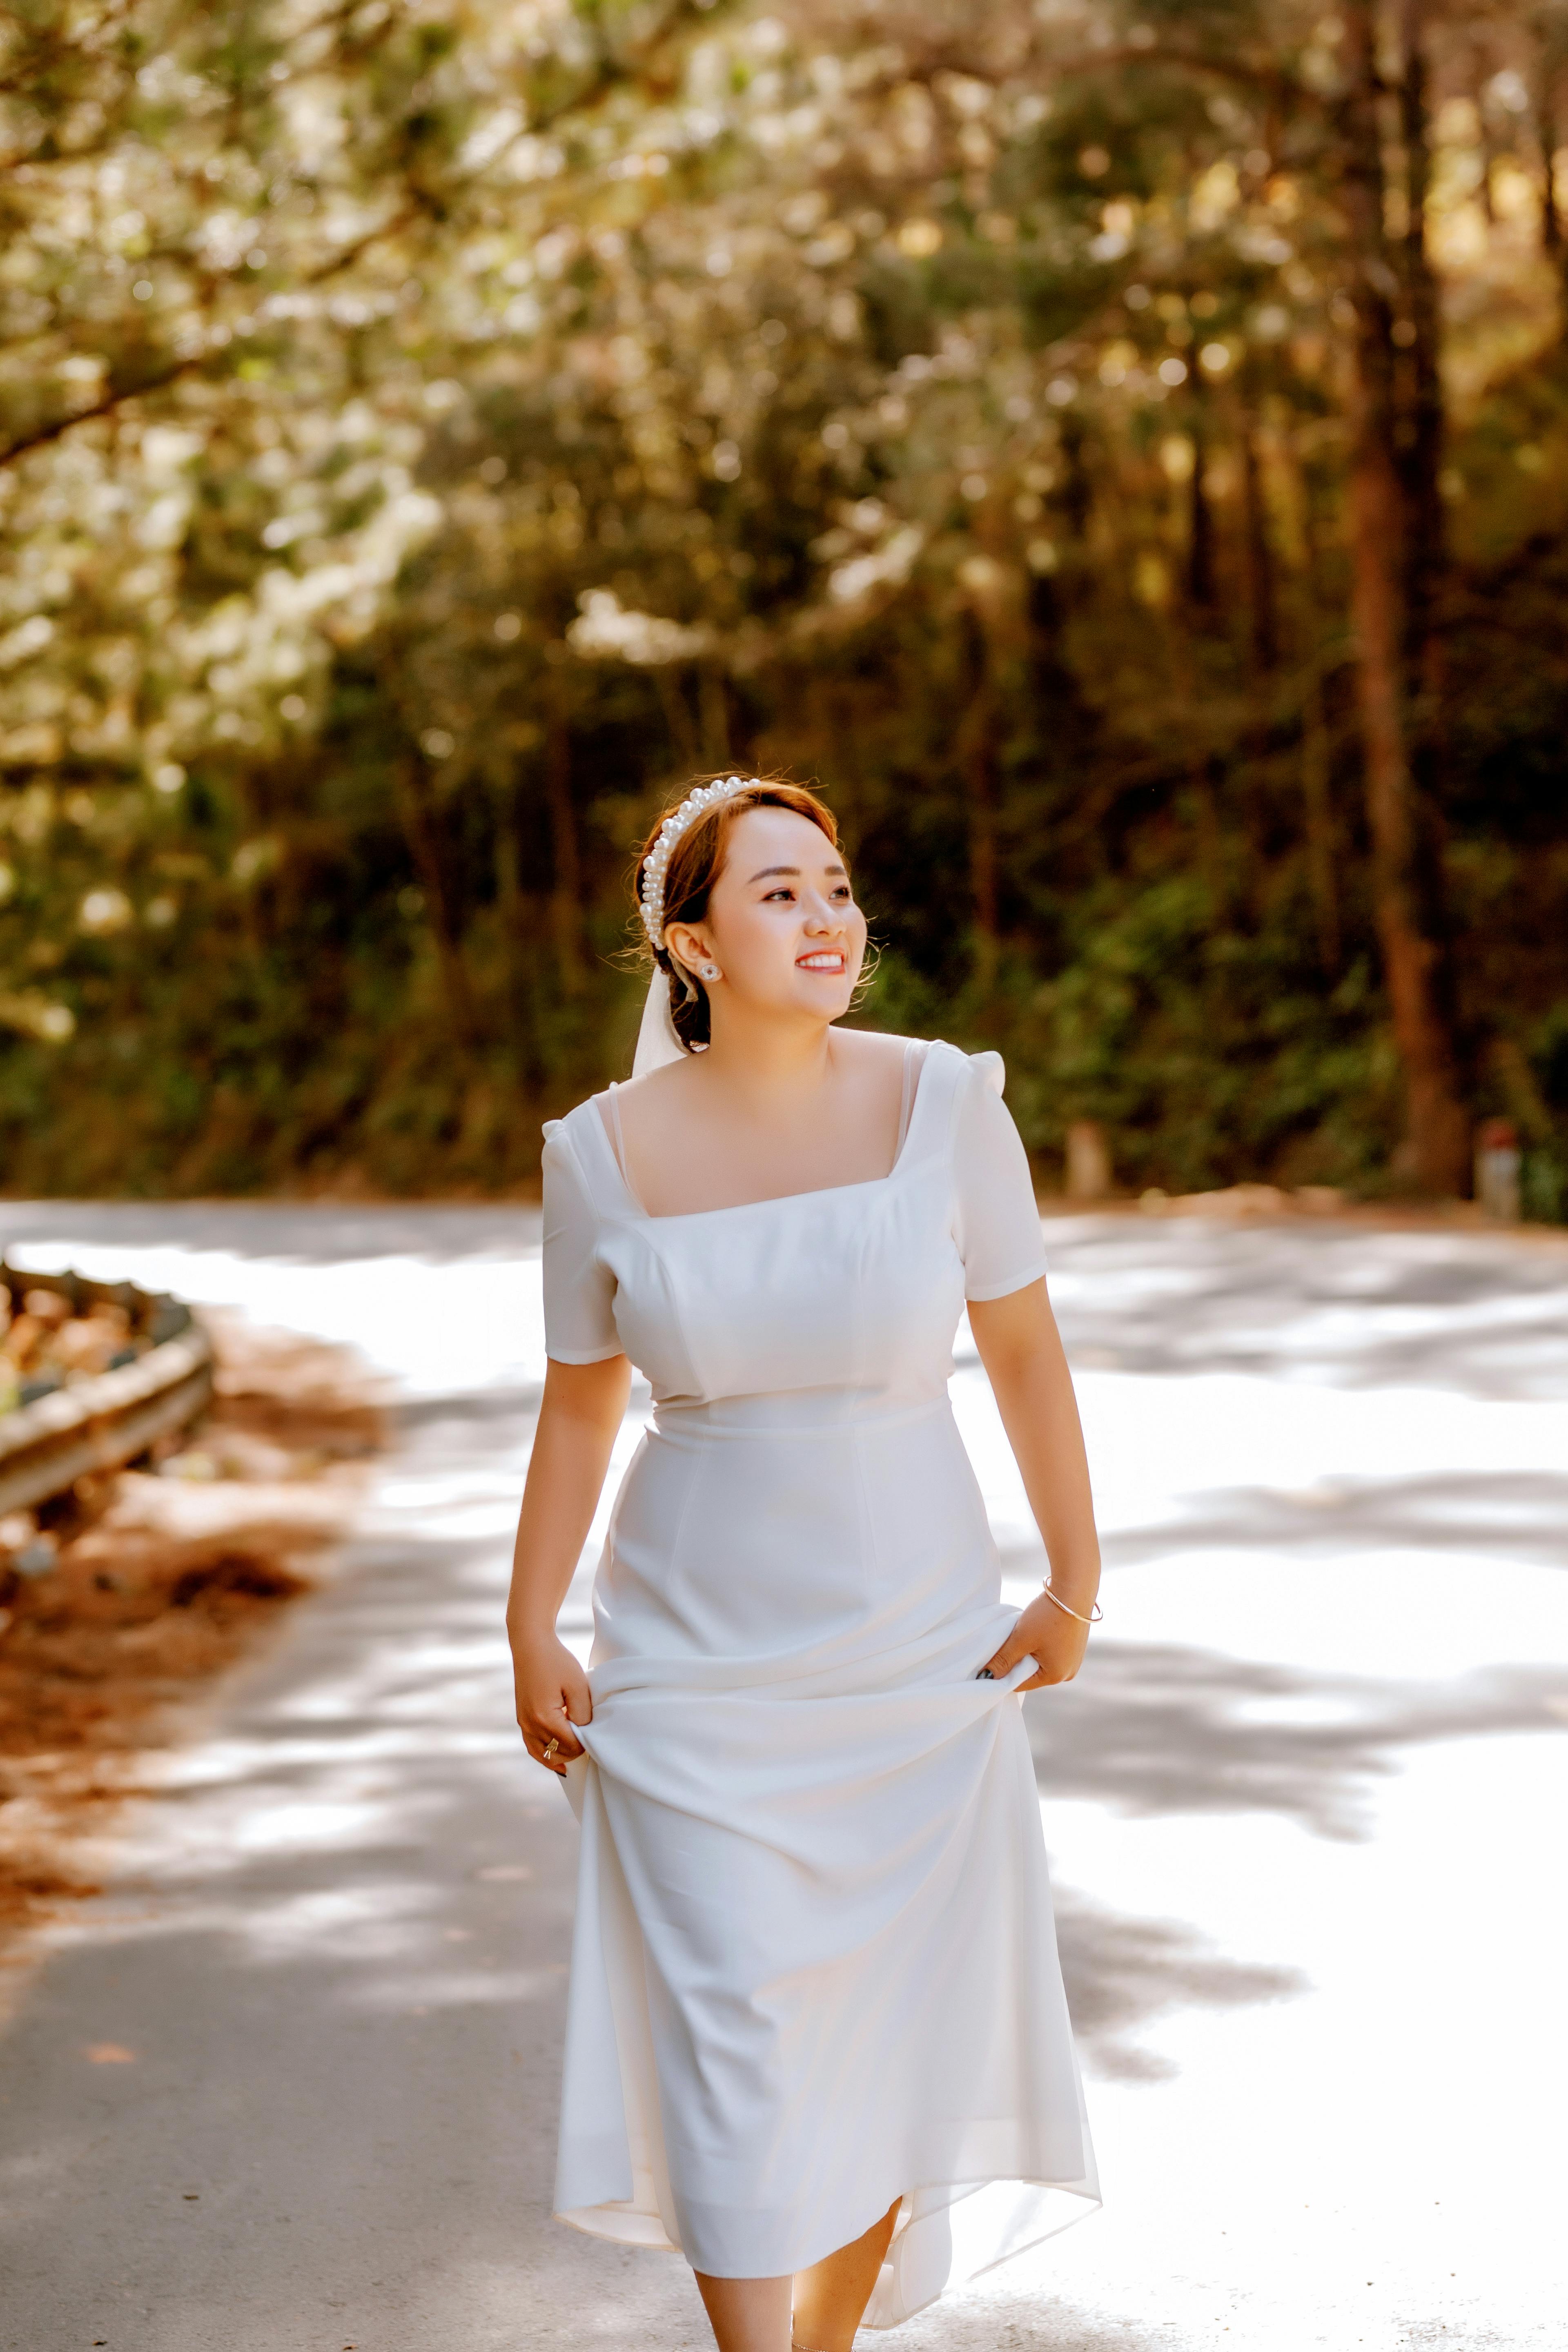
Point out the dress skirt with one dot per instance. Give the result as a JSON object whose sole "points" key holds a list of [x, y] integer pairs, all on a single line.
{"points": [[816, 1967]]}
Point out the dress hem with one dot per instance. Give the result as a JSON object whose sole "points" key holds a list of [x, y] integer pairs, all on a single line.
{"points": [[647, 2231]]}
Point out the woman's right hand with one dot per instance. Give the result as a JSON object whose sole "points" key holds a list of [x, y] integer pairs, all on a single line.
{"points": [[552, 1694], [578, 1419]]}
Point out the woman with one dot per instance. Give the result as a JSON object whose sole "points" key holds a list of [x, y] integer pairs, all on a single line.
{"points": [[817, 2037]]}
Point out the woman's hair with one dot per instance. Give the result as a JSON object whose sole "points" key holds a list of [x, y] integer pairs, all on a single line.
{"points": [[695, 865]]}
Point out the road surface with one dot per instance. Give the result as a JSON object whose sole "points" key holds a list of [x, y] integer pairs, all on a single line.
{"points": [[1304, 1808]]}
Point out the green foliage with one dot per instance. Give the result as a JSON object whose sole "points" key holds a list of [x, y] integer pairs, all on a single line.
{"points": [[429, 433]]}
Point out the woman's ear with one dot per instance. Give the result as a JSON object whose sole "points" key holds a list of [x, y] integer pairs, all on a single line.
{"points": [[688, 946]]}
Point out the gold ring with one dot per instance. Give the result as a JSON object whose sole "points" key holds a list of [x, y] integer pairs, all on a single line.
{"points": [[550, 1748]]}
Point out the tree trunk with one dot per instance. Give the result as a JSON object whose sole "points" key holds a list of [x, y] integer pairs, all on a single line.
{"points": [[1200, 526], [1423, 431], [1050, 681], [1320, 861], [1420, 431], [566, 877], [510, 910], [1481, 62], [1434, 1153], [1435, 1148], [677, 715], [1260, 595], [1546, 132], [419, 832], [977, 761], [1075, 494], [1548, 82]]}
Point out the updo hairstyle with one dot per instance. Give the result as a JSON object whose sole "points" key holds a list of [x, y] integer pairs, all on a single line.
{"points": [[695, 864]]}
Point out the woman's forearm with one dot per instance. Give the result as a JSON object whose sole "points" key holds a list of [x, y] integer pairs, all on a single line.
{"points": [[1022, 1352], [1039, 1413], [582, 1411]]}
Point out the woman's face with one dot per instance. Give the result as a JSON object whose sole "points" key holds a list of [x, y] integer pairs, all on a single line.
{"points": [[782, 923]]}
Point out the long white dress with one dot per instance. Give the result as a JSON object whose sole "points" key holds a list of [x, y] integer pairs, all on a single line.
{"points": [[814, 1967]]}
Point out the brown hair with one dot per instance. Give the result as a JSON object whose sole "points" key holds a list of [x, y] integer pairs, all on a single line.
{"points": [[695, 865]]}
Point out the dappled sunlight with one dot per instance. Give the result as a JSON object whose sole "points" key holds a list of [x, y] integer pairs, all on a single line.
{"points": [[1330, 1302], [1123, 1973], [1292, 1806], [1153, 1729]]}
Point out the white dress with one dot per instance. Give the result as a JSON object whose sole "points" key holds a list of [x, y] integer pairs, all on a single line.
{"points": [[814, 1967]]}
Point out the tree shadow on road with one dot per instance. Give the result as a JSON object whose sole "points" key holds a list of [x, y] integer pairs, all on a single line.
{"points": [[1517, 1515], [1342, 1304], [1150, 1727], [1121, 1973]]}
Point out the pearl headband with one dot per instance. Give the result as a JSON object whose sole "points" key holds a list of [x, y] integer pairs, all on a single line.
{"points": [[651, 897]]}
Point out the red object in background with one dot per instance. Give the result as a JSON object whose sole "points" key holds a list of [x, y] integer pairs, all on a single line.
{"points": [[1498, 1134]]}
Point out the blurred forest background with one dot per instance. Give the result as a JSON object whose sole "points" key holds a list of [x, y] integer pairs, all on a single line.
{"points": [[1120, 451]]}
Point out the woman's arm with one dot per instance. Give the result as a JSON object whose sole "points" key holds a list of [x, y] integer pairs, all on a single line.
{"points": [[1022, 1352], [582, 1411]]}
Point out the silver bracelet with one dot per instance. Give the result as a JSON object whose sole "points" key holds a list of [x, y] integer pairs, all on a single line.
{"points": [[1099, 1612]]}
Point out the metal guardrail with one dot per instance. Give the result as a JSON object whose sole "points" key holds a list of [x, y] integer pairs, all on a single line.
{"points": [[104, 1421]]}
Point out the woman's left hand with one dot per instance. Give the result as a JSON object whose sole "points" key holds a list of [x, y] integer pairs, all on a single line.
{"points": [[1054, 1640]]}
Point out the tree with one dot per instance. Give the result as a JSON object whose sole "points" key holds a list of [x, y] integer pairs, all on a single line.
{"points": [[993, 417]]}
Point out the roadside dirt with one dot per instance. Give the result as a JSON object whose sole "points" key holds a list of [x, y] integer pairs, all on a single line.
{"points": [[162, 1577]]}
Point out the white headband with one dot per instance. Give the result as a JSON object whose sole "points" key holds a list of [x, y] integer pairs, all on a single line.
{"points": [[650, 898]]}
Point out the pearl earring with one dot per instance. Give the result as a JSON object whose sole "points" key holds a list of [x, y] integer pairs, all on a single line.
{"points": [[709, 972]]}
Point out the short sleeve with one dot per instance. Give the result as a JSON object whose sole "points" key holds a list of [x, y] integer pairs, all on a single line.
{"points": [[998, 1229], [579, 1291]]}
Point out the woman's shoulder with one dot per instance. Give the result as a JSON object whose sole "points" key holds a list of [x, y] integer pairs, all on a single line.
{"points": [[591, 1134], [872, 1049], [890, 1046], [986, 1068], [575, 1126], [985, 1072]]}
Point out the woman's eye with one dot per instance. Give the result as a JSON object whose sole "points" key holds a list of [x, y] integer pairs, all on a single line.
{"points": [[781, 893]]}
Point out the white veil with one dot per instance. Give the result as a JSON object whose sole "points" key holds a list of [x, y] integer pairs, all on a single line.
{"points": [[656, 1041]]}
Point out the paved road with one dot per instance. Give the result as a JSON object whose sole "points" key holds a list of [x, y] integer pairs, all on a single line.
{"points": [[1304, 1807]]}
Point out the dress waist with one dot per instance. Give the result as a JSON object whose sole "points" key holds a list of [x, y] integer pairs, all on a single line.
{"points": [[801, 1413], [745, 1530]]}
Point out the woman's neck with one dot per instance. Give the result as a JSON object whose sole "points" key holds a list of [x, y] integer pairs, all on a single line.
{"points": [[767, 1066]]}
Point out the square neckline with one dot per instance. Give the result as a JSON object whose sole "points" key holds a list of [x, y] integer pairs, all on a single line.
{"points": [[914, 1068]]}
